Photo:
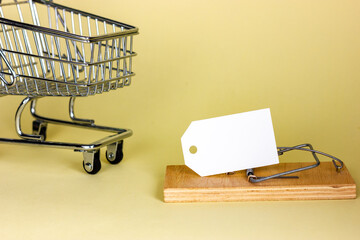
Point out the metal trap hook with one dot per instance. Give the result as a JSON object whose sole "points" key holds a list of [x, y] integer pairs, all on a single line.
{"points": [[303, 147]]}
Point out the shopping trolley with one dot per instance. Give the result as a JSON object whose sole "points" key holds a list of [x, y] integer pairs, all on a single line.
{"points": [[51, 50]]}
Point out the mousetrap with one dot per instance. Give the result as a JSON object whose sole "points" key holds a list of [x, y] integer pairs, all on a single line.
{"points": [[240, 162], [284, 181]]}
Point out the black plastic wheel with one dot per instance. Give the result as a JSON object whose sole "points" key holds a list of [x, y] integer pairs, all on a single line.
{"points": [[96, 166], [39, 128], [119, 154]]}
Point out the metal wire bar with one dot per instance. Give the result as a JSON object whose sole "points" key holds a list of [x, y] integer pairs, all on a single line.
{"points": [[72, 113], [10, 69], [8, 44], [254, 179], [27, 44], [26, 64], [37, 38], [118, 52], [45, 45], [99, 58], [17, 49], [38, 140], [18, 122], [82, 44], [52, 52], [130, 59], [106, 57], [34, 113]]}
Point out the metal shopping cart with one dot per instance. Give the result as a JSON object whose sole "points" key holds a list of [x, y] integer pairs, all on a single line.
{"points": [[51, 50]]}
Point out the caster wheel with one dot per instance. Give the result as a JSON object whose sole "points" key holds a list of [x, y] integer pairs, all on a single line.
{"points": [[115, 156], [94, 166], [39, 128]]}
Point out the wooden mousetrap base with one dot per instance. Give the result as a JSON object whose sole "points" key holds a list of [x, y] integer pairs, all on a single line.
{"points": [[320, 183]]}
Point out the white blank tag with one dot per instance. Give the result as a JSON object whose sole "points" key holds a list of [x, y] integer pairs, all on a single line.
{"points": [[230, 143]]}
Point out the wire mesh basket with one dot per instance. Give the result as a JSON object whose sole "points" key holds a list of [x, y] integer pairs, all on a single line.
{"points": [[51, 50]]}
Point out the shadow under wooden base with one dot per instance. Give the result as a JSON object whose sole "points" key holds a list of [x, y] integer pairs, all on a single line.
{"points": [[320, 183]]}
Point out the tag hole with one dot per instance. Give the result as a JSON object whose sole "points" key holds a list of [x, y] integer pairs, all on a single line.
{"points": [[193, 149]]}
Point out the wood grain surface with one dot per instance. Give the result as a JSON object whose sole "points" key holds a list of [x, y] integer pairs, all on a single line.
{"points": [[320, 183]]}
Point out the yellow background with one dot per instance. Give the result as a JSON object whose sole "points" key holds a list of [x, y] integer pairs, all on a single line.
{"points": [[197, 59]]}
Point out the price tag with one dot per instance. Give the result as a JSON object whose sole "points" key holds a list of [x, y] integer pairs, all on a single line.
{"points": [[230, 143]]}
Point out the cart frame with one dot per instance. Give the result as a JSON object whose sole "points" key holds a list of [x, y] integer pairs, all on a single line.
{"points": [[64, 71]]}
